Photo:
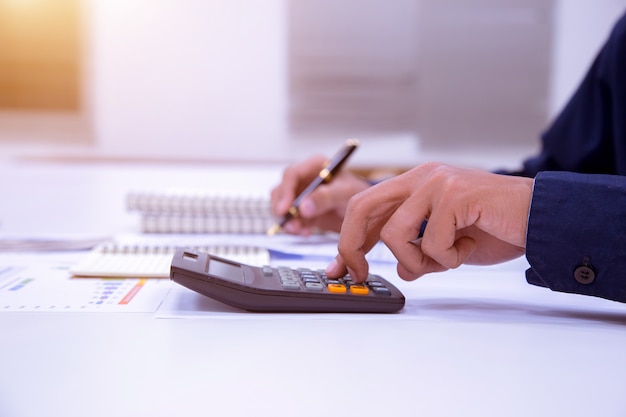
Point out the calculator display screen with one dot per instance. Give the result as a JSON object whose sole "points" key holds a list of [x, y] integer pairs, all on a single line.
{"points": [[231, 272]]}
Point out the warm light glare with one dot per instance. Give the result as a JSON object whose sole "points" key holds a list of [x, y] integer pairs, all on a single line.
{"points": [[20, 3], [39, 54]]}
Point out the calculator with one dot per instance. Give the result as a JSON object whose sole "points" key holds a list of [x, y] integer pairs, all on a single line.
{"points": [[281, 289]]}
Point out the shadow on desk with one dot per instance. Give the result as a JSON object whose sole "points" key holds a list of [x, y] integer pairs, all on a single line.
{"points": [[514, 312], [184, 303]]}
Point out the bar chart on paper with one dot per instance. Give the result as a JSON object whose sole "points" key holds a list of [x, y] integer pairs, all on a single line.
{"points": [[50, 288]]}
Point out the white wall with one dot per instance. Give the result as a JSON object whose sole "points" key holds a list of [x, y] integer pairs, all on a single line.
{"points": [[580, 29], [187, 78], [207, 78]]}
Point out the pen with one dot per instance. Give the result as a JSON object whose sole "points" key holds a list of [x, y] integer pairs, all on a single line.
{"points": [[325, 176]]}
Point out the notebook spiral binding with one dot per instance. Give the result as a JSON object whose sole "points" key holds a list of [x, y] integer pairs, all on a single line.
{"points": [[200, 212]]}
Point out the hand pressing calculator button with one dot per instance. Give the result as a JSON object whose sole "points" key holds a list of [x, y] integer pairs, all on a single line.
{"points": [[281, 289]]}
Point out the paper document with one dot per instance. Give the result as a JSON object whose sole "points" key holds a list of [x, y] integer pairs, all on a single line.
{"points": [[34, 285]]}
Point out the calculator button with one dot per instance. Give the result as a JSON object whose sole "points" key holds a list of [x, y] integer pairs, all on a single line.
{"points": [[291, 285], [375, 284], [359, 289], [289, 278], [337, 288], [310, 279], [381, 290], [268, 271], [314, 286]]}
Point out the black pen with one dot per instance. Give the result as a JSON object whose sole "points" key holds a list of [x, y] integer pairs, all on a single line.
{"points": [[325, 176]]}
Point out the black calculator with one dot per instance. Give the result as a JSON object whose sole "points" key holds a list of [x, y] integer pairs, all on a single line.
{"points": [[281, 289]]}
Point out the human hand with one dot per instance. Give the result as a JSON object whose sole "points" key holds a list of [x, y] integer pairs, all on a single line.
{"points": [[473, 217], [325, 207]]}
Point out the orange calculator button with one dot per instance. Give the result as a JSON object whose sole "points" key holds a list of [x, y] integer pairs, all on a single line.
{"points": [[359, 289], [336, 288]]}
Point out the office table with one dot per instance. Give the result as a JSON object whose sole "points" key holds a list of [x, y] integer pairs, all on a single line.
{"points": [[470, 342]]}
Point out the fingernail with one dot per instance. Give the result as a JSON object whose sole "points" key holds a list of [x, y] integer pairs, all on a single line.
{"points": [[307, 208]]}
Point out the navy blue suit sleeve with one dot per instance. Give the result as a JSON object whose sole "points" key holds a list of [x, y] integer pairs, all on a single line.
{"points": [[578, 220], [576, 239], [589, 135]]}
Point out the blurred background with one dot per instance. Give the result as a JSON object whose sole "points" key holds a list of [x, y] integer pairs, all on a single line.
{"points": [[466, 81]]}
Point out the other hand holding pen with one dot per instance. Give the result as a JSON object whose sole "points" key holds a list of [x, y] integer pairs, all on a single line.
{"points": [[325, 207]]}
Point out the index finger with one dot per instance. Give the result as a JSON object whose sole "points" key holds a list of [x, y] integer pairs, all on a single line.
{"points": [[366, 214]]}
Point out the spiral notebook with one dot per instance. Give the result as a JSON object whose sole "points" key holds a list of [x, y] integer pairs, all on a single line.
{"points": [[136, 261], [198, 211]]}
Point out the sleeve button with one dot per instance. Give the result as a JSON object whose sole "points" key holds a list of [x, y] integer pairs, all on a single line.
{"points": [[584, 274]]}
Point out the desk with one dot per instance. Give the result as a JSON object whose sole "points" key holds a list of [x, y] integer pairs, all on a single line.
{"points": [[473, 342]]}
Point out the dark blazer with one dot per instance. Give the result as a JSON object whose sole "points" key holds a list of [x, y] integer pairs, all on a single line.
{"points": [[576, 240]]}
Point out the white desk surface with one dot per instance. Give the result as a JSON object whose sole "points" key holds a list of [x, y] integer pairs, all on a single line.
{"points": [[471, 342]]}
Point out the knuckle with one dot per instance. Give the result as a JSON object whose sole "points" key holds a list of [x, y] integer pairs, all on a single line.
{"points": [[443, 176], [453, 263], [428, 247], [432, 165], [386, 236], [448, 258], [407, 274], [345, 250], [342, 248], [355, 203], [432, 170], [358, 198]]}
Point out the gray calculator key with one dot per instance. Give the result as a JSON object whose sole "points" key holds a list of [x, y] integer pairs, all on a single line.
{"points": [[291, 285], [381, 290], [314, 286]]}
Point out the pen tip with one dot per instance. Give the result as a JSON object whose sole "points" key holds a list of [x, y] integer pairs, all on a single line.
{"points": [[273, 230]]}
